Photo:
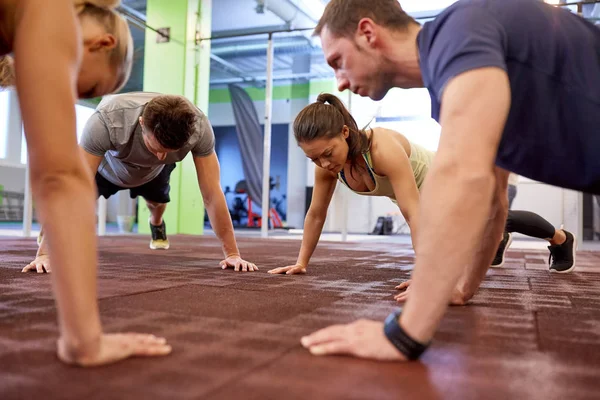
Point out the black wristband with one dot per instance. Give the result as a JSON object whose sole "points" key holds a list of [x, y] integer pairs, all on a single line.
{"points": [[404, 343]]}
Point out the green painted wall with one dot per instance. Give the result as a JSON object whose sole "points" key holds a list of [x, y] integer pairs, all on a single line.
{"points": [[283, 92], [197, 62]]}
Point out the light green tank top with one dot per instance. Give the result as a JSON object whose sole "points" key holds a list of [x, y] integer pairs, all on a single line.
{"points": [[420, 161]]}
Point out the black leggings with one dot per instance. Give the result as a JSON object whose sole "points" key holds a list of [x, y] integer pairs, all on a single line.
{"points": [[529, 224]]}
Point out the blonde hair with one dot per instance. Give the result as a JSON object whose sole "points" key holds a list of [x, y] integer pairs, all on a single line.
{"points": [[7, 72], [115, 24]]}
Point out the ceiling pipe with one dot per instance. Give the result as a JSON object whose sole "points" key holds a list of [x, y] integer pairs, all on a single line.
{"points": [[289, 45], [284, 77], [290, 13]]}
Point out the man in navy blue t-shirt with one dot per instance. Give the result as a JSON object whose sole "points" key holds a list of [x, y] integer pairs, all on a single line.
{"points": [[515, 85]]}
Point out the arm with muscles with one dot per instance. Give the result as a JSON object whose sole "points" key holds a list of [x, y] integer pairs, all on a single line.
{"points": [[477, 268], [457, 197], [208, 172], [42, 262], [62, 187], [313, 223]]}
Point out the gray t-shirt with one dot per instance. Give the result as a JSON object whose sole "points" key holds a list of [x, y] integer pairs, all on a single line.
{"points": [[114, 132]]}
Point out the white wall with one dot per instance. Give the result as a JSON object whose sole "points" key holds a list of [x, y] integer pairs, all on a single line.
{"points": [[221, 114], [12, 178], [297, 172], [558, 206]]}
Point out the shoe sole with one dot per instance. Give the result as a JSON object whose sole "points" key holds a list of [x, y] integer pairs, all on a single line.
{"points": [[566, 271], [153, 247], [504, 252]]}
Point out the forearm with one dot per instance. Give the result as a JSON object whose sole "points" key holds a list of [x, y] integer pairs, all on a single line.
{"points": [[66, 210], [220, 220], [455, 200], [61, 186], [414, 229], [477, 268], [313, 226]]}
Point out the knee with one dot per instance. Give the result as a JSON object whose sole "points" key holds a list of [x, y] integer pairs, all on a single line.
{"points": [[155, 206]]}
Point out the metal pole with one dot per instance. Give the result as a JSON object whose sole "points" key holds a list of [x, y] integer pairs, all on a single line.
{"points": [[264, 231], [345, 193], [102, 216], [28, 204]]}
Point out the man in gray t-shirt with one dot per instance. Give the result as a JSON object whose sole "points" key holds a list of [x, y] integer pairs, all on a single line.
{"points": [[133, 141]]}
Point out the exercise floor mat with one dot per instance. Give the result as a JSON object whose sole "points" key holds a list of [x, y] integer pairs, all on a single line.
{"points": [[527, 334]]}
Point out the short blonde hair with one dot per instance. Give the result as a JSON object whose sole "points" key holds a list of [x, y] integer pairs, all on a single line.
{"points": [[115, 24], [7, 72]]}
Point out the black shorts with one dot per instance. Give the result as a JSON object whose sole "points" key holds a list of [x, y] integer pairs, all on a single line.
{"points": [[156, 191]]}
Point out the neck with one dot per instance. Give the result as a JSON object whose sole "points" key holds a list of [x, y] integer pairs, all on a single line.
{"points": [[402, 61]]}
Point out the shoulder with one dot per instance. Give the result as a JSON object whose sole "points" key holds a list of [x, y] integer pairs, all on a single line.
{"points": [[387, 148], [456, 22], [125, 100], [385, 140]]}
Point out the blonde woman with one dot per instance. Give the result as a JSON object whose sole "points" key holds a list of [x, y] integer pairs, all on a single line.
{"points": [[63, 49]]}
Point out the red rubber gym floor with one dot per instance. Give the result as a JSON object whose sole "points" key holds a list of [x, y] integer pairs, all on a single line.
{"points": [[527, 334]]}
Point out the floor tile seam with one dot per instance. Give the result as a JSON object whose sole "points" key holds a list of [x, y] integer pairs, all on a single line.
{"points": [[236, 378]]}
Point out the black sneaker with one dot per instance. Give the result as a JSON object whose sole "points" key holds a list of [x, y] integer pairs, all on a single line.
{"points": [[562, 256], [502, 247], [159, 237]]}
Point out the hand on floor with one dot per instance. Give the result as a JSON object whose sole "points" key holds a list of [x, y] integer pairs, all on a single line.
{"points": [[116, 347], [363, 339], [456, 299], [289, 270], [404, 285], [401, 297], [238, 264], [41, 264]]}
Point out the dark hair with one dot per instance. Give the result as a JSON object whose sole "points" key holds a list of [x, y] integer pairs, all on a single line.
{"points": [[341, 17], [326, 118], [171, 119]]}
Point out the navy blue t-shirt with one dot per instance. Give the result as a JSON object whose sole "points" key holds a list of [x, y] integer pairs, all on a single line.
{"points": [[552, 58]]}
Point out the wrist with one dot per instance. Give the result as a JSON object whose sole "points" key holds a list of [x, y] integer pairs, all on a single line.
{"points": [[230, 248], [405, 344], [80, 351]]}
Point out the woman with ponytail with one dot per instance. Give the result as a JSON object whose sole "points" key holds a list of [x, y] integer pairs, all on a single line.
{"points": [[65, 49], [373, 162], [382, 162]]}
